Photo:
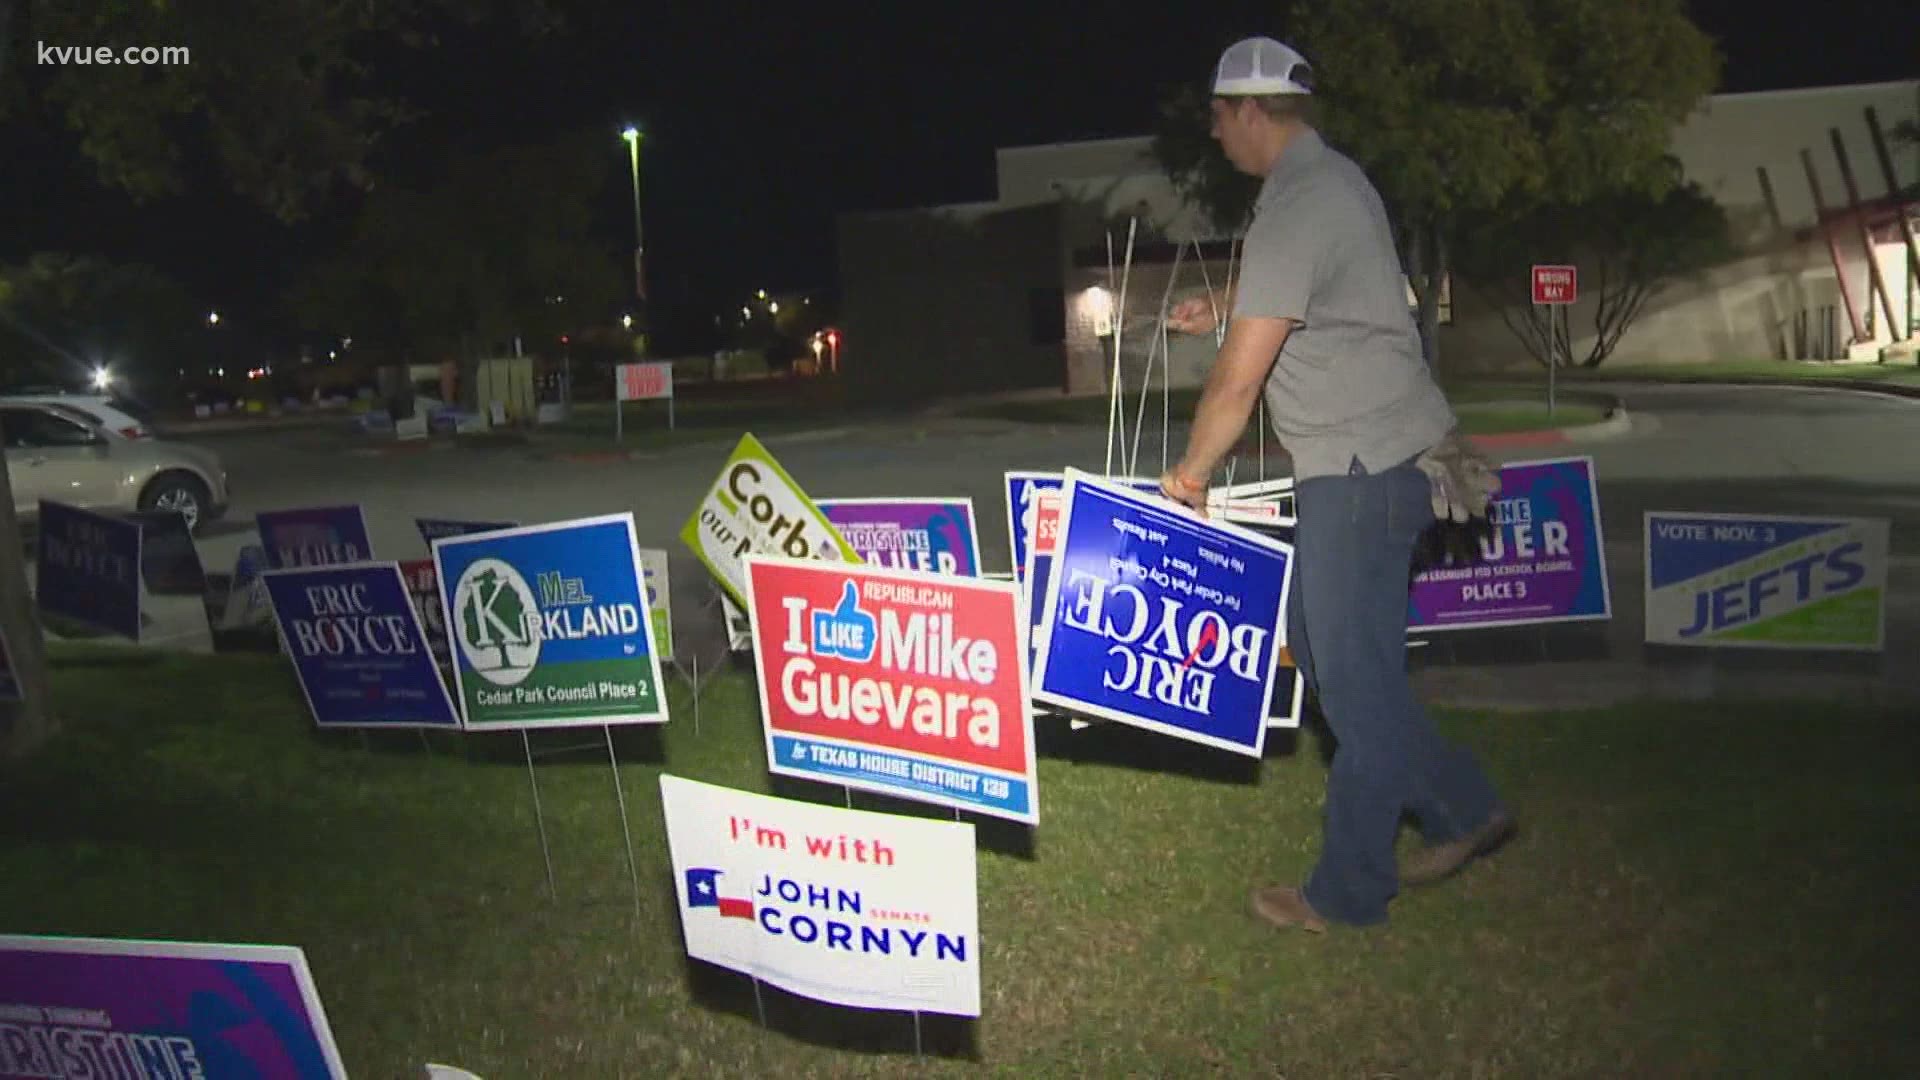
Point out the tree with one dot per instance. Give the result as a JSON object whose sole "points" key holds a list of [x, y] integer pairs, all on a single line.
{"points": [[285, 98], [490, 245], [1472, 108], [1630, 248], [282, 97], [72, 313]]}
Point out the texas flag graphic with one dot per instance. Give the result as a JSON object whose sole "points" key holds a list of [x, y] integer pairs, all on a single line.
{"points": [[703, 891]]}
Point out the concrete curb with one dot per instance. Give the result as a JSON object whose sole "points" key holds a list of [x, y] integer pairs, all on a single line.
{"points": [[603, 457], [1617, 424]]}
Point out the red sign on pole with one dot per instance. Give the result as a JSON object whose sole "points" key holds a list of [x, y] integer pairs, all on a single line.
{"points": [[1555, 284], [645, 382]]}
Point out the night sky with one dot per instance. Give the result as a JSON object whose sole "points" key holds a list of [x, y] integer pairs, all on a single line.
{"points": [[764, 122]]}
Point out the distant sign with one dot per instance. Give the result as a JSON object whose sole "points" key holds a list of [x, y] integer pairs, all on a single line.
{"points": [[936, 535], [1555, 284], [1766, 581], [1161, 619], [9, 677], [850, 907], [755, 508], [1033, 509], [1544, 560], [550, 626], [423, 588], [432, 529], [653, 567], [88, 568], [100, 1007], [894, 681], [646, 381], [358, 648], [316, 536], [169, 561]]}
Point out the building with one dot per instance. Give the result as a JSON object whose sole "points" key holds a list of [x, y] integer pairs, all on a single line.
{"points": [[1017, 292]]}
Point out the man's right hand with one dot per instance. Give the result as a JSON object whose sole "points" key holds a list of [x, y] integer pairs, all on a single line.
{"points": [[1193, 316]]}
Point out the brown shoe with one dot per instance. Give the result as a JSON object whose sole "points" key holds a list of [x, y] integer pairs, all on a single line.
{"points": [[1431, 864], [1283, 906]]}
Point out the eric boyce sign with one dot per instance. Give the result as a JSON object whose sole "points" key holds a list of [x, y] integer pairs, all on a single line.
{"points": [[755, 508], [1766, 581], [894, 681], [850, 907], [1160, 619], [1543, 562], [88, 568], [550, 626], [936, 535], [73, 1007], [358, 647]]}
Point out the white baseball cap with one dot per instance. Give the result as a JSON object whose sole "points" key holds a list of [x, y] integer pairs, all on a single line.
{"points": [[1261, 65]]}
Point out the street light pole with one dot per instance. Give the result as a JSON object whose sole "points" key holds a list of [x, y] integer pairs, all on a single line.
{"points": [[632, 136]]}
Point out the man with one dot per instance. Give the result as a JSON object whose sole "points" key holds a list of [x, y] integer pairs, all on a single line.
{"points": [[1376, 457]]}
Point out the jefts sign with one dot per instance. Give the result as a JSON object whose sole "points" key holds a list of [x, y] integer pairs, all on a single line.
{"points": [[1160, 619], [909, 534], [318, 536], [1766, 581], [99, 1007], [894, 681], [755, 508], [874, 911], [1542, 562], [358, 647], [549, 626]]}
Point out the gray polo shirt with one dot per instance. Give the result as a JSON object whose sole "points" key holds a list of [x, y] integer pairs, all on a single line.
{"points": [[1350, 381]]}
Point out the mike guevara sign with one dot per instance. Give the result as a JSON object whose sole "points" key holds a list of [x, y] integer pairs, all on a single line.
{"points": [[1161, 619], [900, 682], [549, 626], [852, 907], [755, 508]]}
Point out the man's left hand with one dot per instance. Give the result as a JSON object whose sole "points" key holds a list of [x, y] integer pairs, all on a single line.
{"points": [[1176, 485]]}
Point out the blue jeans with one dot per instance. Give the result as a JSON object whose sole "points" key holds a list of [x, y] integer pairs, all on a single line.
{"points": [[1347, 627]]}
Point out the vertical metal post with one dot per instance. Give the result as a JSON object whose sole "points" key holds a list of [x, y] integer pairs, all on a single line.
{"points": [[1833, 246], [1875, 280], [919, 1054], [626, 830], [539, 820], [696, 691], [618, 434], [1892, 180], [759, 1006]]}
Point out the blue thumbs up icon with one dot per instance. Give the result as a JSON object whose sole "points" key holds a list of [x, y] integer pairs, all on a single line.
{"points": [[846, 631]]}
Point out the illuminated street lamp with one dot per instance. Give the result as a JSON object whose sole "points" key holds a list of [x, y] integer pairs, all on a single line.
{"points": [[632, 136], [213, 318], [626, 321]]}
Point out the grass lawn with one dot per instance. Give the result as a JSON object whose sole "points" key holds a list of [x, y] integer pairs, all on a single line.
{"points": [[1696, 890], [1513, 416], [1899, 374]]}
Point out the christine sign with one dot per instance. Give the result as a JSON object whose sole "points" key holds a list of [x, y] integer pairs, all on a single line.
{"points": [[1766, 581], [755, 508], [874, 911], [1542, 562], [358, 647], [898, 682], [320, 536], [909, 534], [1160, 619], [92, 1007]]}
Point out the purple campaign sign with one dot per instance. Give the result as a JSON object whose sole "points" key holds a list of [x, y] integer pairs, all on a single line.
{"points": [[317, 536], [1544, 561], [936, 535], [98, 1007]]}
